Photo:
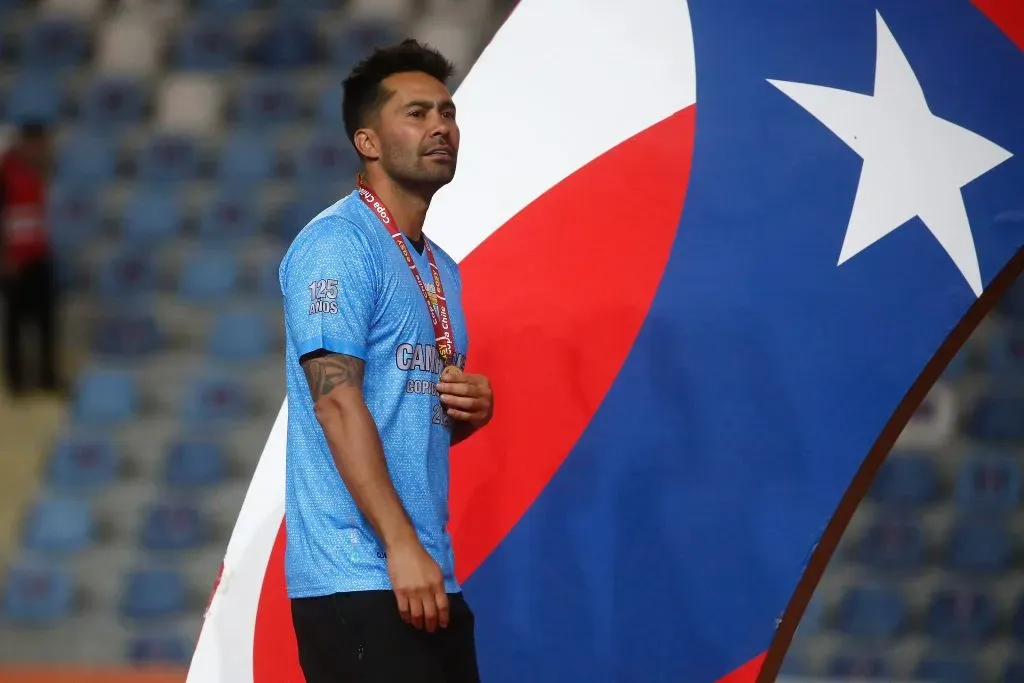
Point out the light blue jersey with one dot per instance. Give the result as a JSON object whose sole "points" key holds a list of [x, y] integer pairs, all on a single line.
{"points": [[348, 289]]}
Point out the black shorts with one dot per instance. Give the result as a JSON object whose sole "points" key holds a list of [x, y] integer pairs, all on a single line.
{"points": [[361, 638]]}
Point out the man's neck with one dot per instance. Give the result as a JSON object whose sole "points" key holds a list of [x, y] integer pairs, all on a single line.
{"points": [[407, 207]]}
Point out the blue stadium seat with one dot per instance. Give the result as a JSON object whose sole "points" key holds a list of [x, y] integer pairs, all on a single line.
{"points": [[303, 6], [1012, 304], [105, 397], [52, 44], [892, 544], [958, 616], [957, 367], [328, 109], [33, 97], [126, 273], [905, 480], [168, 158], [158, 650], [153, 594], [208, 275], [73, 216], [87, 160], [58, 525], [996, 417], [82, 464], [848, 665], [227, 7], [288, 42], [359, 39], [871, 612], [151, 215], [194, 463], [978, 546], [941, 669], [37, 595], [1006, 351], [113, 102], [214, 398], [239, 335], [246, 159], [326, 160], [265, 102], [298, 212], [268, 282], [794, 665], [207, 45], [172, 527], [229, 215], [127, 334], [988, 482]]}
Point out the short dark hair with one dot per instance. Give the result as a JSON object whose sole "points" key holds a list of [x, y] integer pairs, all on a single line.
{"points": [[362, 92], [33, 130]]}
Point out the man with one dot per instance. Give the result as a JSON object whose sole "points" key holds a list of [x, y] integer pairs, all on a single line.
{"points": [[373, 320], [27, 271]]}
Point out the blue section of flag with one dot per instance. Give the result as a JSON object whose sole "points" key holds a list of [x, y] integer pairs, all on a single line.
{"points": [[676, 531]]}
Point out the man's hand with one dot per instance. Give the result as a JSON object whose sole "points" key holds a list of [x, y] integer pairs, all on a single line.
{"points": [[418, 585], [467, 398]]}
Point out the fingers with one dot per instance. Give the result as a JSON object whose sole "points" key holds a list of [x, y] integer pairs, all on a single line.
{"points": [[459, 389], [403, 607], [459, 402], [429, 613], [460, 415], [416, 611], [443, 613]]}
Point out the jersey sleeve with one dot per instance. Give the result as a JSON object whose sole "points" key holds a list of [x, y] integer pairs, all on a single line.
{"points": [[330, 287]]}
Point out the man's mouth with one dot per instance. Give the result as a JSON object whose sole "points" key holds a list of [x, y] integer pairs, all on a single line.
{"points": [[443, 152]]}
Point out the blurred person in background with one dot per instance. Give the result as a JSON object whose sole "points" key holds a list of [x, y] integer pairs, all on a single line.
{"points": [[27, 270], [373, 321]]}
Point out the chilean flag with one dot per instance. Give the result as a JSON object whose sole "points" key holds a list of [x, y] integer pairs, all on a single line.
{"points": [[702, 324]]}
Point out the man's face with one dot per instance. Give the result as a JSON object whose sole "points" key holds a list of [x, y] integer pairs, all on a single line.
{"points": [[419, 139]]}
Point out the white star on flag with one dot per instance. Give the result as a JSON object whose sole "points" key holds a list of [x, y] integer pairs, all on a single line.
{"points": [[914, 162]]}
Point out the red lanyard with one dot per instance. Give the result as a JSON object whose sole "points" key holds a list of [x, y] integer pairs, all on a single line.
{"points": [[440, 318]]}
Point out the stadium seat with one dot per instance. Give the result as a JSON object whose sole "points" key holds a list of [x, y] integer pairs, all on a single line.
{"points": [[105, 396], [58, 525], [988, 482], [207, 45], [126, 334], [958, 616], [933, 423], [1012, 303], [238, 335], [52, 44], [156, 11], [192, 463], [377, 10], [168, 158], [82, 10], [172, 527], [328, 109], [359, 39], [113, 102], [978, 546], [151, 216], [871, 612], [33, 97], [228, 216], [267, 102], [1013, 671], [269, 282], [128, 45], [73, 216], [153, 594], [905, 480], [284, 7], [208, 275], [448, 36], [246, 159], [87, 160], [158, 650], [82, 464], [288, 42], [227, 7], [1006, 352], [214, 398], [297, 213], [858, 666], [127, 273], [941, 669], [996, 418], [892, 544], [190, 104], [326, 160], [37, 595]]}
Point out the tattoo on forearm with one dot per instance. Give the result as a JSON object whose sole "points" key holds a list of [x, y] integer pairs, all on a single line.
{"points": [[327, 372]]}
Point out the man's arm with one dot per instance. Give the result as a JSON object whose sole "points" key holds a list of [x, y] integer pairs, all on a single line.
{"points": [[336, 384]]}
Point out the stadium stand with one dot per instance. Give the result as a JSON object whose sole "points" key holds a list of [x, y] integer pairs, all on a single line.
{"points": [[170, 114]]}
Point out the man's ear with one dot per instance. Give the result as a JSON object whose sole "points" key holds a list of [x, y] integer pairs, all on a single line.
{"points": [[367, 143]]}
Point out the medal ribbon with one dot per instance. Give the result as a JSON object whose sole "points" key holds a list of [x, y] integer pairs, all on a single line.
{"points": [[440, 318]]}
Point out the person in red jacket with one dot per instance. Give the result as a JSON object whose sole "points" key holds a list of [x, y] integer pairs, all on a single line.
{"points": [[27, 271]]}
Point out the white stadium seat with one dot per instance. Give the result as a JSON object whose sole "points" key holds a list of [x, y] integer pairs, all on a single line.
{"points": [[79, 9], [388, 10], [452, 39], [160, 11], [934, 424], [128, 45], [189, 104]]}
